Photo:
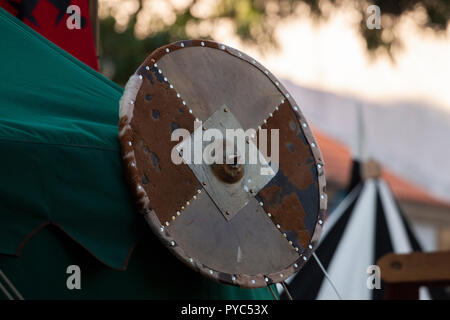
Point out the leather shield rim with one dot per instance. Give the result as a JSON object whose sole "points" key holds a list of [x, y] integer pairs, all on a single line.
{"points": [[142, 200]]}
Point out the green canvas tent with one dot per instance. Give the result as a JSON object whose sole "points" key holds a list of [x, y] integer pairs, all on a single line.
{"points": [[63, 199]]}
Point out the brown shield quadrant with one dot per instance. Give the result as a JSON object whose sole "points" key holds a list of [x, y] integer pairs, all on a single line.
{"points": [[250, 231]]}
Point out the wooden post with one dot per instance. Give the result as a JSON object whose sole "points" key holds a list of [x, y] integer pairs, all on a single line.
{"points": [[95, 25], [405, 273]]}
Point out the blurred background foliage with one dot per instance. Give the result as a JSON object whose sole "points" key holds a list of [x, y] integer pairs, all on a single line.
{"points": [[131, 29]]}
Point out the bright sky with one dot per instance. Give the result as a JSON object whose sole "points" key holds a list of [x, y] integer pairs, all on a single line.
{"points": [[330, 56]]}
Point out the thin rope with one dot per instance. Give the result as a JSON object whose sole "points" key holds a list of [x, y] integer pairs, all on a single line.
{"points": [[286, 290], [10, 297], [11, 286], [326, 276], [273, 293]]}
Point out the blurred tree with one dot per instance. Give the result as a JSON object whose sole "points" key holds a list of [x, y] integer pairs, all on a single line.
{"points": [[130, 29]]}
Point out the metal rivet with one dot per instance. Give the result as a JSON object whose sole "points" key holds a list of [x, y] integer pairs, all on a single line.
{"points": [[270, 114], [269, 214], [281, 275], [199, 191], [240, 54], [129, 143], [159, 71], [184, 102], [172, 243], [322, 196], [171, 86], [140, 76], [282, 100], [194, 197], [295, 265], [178, 213], [278, 226], [261, 204], [191, 260], [211, 272], [167, 223], [285, 235], [178, 95], [320, 221], [147, 68], [165, 79], [266, 72], [296, 249], [290, 242], [188, 203], [190, 110], [227, 212], [313, 144], [131, 102], [277, 83], [155, 65], [167, 50], [304, 125], [310, 247], [182, 44], [182, 207], [202, 43], [233, 278], [319, 165], [253, 281], [139, 187], [305, 258], [222, 47], [276, 108], [204, 183], [225, 109], [295, 108], [161, 229], [287, 95], [266, 279], [259, 127], [253, 61], [133, 164], [173, 217], [265, 121]]}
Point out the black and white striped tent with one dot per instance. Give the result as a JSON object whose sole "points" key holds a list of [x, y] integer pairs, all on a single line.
{"points": [[366, 225]]}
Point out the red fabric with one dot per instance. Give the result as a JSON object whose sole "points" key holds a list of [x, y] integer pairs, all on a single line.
{"points": [[49, 17]]}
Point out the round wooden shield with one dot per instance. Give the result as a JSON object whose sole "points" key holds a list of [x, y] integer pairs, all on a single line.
{"points": [[246, 224]]}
